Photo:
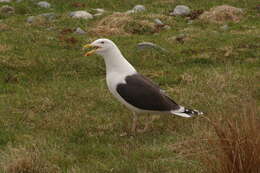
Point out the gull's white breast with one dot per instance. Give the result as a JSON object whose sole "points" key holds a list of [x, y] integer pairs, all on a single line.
{"points": [[113, 79]]}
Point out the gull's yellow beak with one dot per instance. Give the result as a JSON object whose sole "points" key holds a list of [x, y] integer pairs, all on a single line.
{"points": [[92, 51]]}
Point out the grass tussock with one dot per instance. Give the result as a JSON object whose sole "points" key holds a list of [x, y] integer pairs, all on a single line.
{"points": [[235, 147], [21, 160], [123, 24], [222, 14]]}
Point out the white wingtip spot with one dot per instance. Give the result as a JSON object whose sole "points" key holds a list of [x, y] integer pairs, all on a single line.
{"points": [[181, 114]]}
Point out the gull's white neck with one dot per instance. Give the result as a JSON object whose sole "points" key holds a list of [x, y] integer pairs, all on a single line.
{"points": [[115, 62]]}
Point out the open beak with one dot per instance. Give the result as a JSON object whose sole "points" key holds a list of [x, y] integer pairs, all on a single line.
{"points": [[92, 51]]}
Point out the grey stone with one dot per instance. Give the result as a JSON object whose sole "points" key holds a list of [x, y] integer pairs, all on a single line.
{"points": [[158, 22], [49, 16], [224, 27], [79, 31], [99, 11], [190, 22], [139, 8], [7, 10], [98, 14], [167, 27], [147, 45], [5, 0], [136, 9], [81, 15], [129, 11], [181, 10], [30, 19], [44, 4]]}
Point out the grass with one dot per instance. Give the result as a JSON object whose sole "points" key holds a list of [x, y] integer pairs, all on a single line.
{"points": [[58, 116]]}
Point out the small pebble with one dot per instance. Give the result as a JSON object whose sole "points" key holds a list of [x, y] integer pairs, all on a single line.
{"points": [[79, 31], [139, 8], [44, 4], [81, 15], [167, 27], [145, 45], [190, 22], [224, 27], [158, 22], [181, 10], [99, 11], [5, 0], [49, 16], [30, 19]]}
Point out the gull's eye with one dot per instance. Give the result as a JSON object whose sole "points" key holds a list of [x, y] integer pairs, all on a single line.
{"points": [[102, 42]]}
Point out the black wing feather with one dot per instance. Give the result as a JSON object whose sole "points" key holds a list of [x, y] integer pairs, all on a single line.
{"points": [[143, 94]]}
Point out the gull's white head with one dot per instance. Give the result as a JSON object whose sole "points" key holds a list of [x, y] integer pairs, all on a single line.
{"points": [[100, 46]]}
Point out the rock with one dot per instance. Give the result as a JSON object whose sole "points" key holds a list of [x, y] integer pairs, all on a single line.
{"points": [[224, 27], [158, 22], [167, 27], [30, 19], [5, 0], [81, 15], [79, 31], [44, 4], [136, 9], [222, 14], [139, 8], [181, 10], [129, 11], [98, 14], [146, 45], [190, 22], [49, 16], [7, 10], [37, 20], [99, 11]]}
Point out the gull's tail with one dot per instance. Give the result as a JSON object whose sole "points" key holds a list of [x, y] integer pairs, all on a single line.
{"points": [[185, 112]]}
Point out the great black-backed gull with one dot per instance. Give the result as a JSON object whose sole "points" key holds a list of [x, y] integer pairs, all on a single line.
{"points": [[132, 89]]}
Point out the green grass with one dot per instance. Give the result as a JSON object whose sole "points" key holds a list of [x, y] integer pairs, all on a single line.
{"points": [[57, 114]]}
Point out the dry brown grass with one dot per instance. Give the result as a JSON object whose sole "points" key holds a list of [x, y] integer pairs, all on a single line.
{"points": [[125, 24], [235, 145], [22, 160], [4, 48], [4, 27], [222, 14]]}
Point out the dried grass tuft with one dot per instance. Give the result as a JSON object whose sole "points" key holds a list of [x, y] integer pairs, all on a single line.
{"points": [[222, 14], [235, 147], [21, 160], [123, 24]]}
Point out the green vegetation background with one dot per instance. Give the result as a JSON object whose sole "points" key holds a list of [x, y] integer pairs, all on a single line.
{"points": [[56, 114]]}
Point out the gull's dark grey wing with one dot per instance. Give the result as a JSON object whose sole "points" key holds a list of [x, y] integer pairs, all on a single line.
{"points": [[143, 94]]}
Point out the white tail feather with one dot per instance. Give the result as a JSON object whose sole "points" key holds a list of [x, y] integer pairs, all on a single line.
{"points": [[185, 112]]}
